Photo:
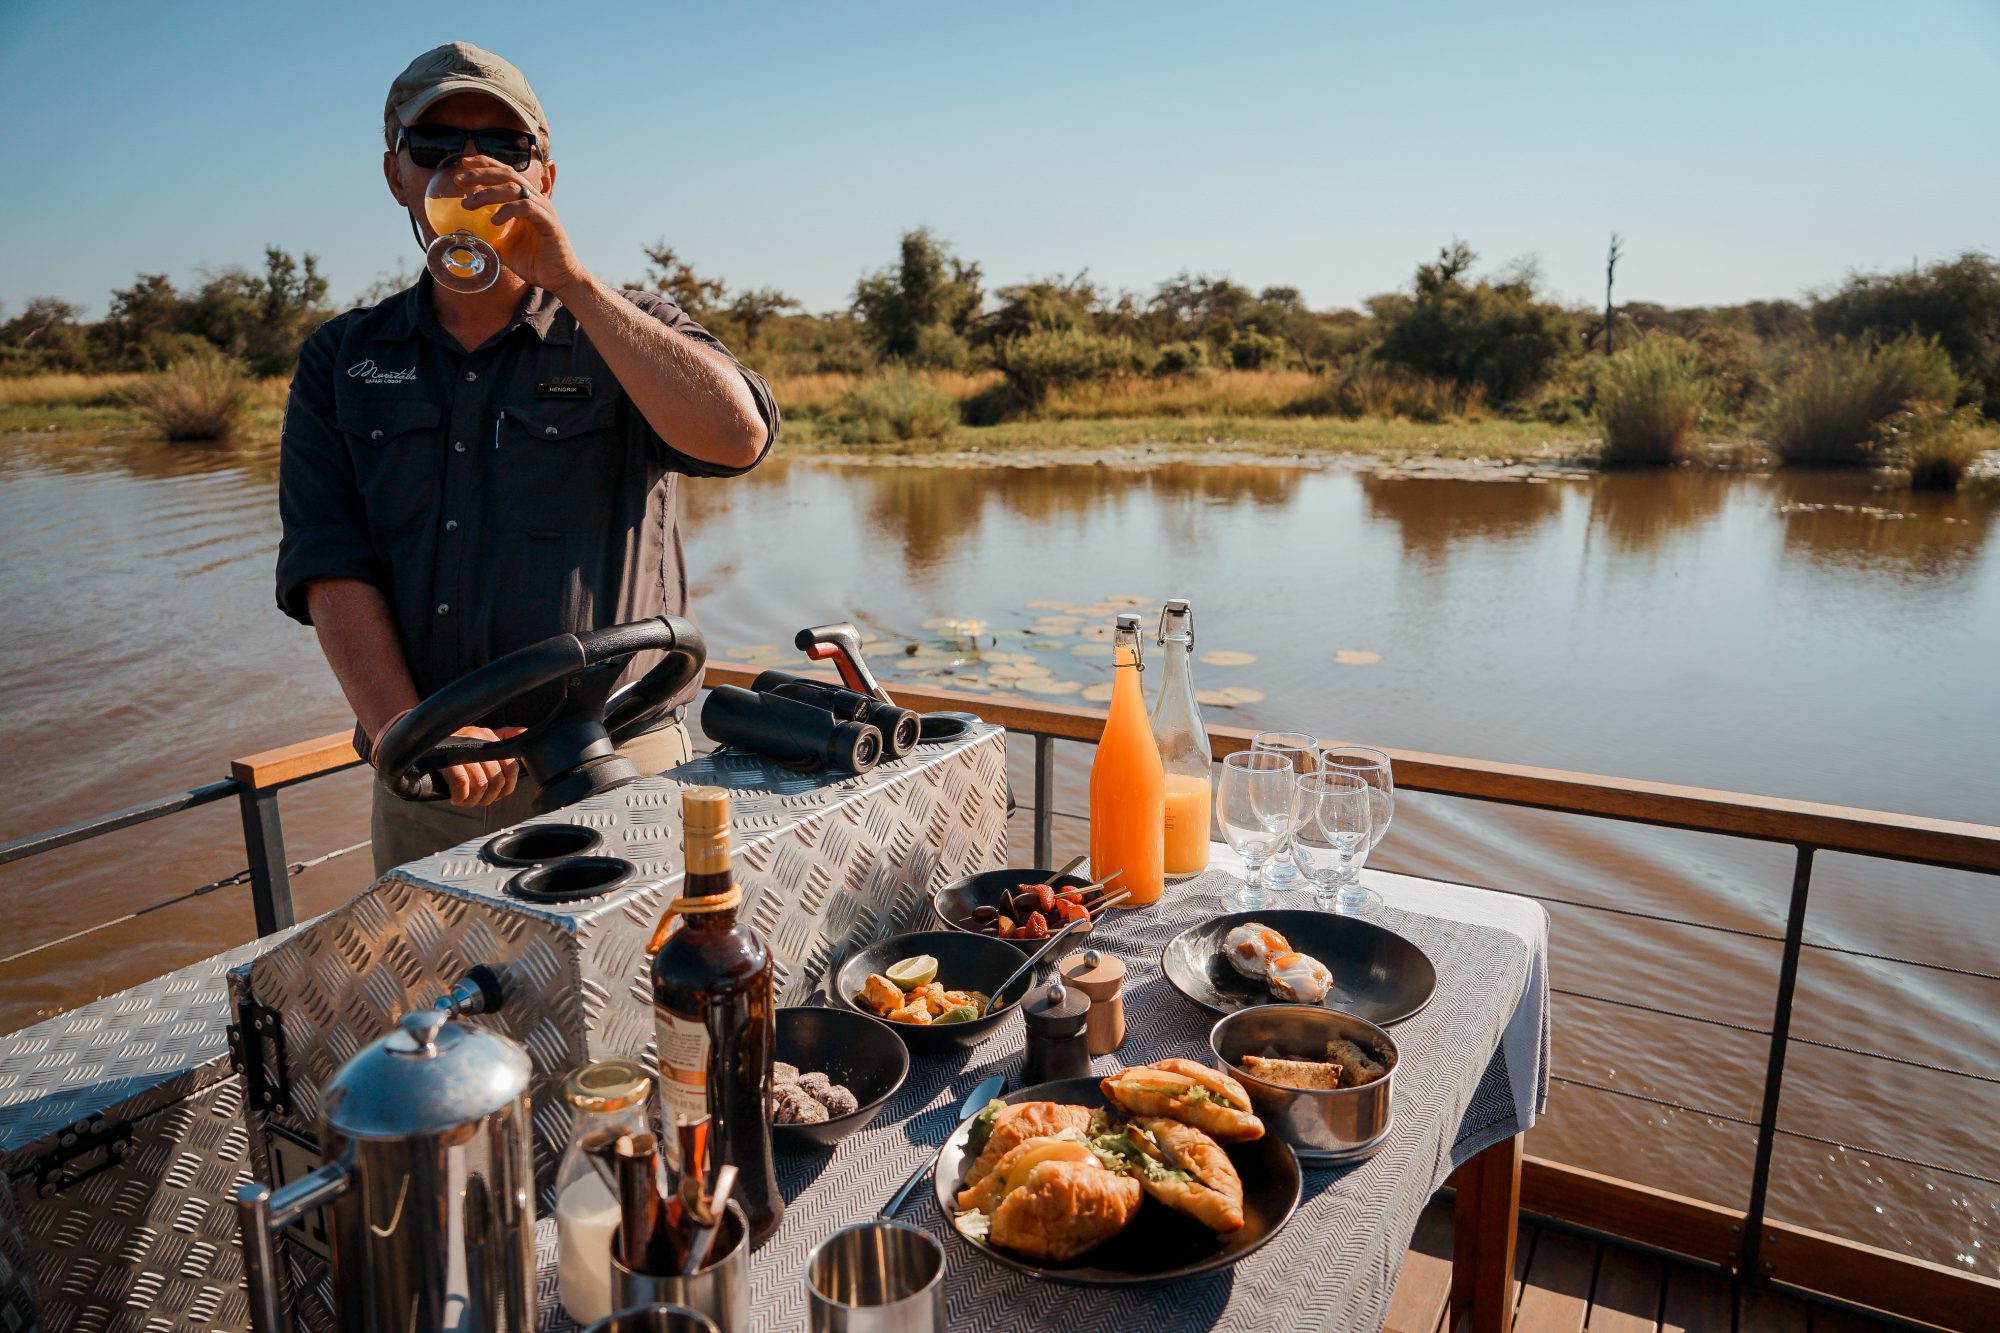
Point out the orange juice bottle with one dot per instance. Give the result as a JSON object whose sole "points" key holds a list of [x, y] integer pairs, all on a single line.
{"points": [[1127, 785], [1183, 744]]}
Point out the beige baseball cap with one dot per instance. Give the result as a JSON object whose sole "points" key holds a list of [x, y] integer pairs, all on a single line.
{"points": [[460, 67]]}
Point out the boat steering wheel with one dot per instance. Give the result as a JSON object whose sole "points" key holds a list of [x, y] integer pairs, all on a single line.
{"points": [[571, 752]]}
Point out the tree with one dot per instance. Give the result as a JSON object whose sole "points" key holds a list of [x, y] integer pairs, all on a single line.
{"points": [[674, 278], [261, 319], [1201, 307], [1051, 304], [45, 336], [753, 309], [928, 288], [144, 318], [1955, 301], [1496, 335]]}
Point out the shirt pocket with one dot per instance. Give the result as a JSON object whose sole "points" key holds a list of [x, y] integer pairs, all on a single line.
{"points": [[560, 465], [396, 460]]}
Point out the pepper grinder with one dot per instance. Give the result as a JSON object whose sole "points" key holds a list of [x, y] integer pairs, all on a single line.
{"points": [[1101, 976], [1057, 1046]]}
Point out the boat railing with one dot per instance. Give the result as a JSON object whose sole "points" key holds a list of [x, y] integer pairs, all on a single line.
{"points": [[1746, 1243]]}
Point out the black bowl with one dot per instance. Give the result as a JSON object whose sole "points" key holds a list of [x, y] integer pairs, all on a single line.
{"points": [[952, 905], [849, 1048], [965, 962], [1377, 974]]}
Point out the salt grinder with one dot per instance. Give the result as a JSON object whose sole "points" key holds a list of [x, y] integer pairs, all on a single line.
{"points": [[1101, 976], [1057, 1046]]}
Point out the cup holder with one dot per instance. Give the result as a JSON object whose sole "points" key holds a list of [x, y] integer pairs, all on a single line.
{"points": [[944, 726], [536, 844], [572, 878]]}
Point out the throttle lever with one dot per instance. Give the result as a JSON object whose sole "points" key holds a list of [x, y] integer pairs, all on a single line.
{"points": [[841, 642]]}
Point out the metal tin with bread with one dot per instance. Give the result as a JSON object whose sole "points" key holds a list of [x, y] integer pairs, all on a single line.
{"points": [[1323, 1080]]}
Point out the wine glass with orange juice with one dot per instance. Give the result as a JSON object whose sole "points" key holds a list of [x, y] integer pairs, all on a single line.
{"points": [[463, 257]]}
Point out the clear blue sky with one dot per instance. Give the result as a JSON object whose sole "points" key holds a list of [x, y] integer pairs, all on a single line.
{"points": [[1744, 150]]}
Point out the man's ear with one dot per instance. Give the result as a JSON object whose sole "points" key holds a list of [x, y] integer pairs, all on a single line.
{"points": [[390, 174], [549, 179]]}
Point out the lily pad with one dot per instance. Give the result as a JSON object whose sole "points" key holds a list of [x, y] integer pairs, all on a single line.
{"points": [[1016, 671], [1099, 693], [1037, 685], [1356, 657], [750, 650], [1052, 606], [1090, 650], [938, 622], [1128, 602], [1047, 643], [1100, 633], [1231, 697], [1225, 658]]}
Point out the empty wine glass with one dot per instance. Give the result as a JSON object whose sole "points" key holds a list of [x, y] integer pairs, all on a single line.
{"points": [[462, 257], [1331, 819], [1299, 748], [1372, 767], [1253, 805]]}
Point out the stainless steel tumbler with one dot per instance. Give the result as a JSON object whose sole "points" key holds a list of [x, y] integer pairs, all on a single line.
{"points": [[876, 1277]]}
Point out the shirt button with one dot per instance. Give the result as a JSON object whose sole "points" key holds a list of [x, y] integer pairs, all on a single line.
{"points": [[471, 375], [374, 434], [444, 608], [550, 430], [458, 445], [451, 525]]}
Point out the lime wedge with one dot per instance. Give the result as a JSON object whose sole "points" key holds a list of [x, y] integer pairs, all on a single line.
{"points": [[914, 972], [963, 1013]]}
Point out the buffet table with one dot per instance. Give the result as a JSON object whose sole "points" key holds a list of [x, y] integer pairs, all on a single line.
{"points": [[1473, 1076]]}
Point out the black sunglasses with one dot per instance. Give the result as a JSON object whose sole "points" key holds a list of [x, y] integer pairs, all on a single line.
{"points": [[431, 145]]}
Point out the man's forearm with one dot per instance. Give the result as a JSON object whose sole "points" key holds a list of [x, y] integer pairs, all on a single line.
{"points": [[357, 633], [693, 396]]}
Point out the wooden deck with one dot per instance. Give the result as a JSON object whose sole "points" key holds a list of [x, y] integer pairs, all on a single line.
{"points": [[1568, 1284]]}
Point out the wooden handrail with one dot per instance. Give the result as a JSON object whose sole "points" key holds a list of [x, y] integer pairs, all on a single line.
{"points": [[1914, 838]]}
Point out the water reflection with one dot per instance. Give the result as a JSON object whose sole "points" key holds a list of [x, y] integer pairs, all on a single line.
{"points": [[140, 454], [932, 511], [1434, 515], [1636, 511], [1858, 521]]}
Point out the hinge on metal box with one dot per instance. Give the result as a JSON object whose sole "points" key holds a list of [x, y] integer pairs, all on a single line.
{"points": [[54, 1171], [257, 1051]]}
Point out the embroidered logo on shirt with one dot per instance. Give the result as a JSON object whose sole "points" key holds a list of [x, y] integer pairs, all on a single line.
{"points": [[370, 373], [565, 386]]}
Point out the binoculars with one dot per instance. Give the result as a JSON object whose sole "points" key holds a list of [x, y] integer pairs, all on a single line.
{"points": [[808, 723]]}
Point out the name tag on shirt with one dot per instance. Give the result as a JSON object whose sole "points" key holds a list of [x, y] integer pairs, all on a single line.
{"points": [[567, 386]]}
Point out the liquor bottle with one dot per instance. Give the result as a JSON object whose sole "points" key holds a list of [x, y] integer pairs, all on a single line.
{"points": [[1183, 743], [1127, 784], [715, 1015]]}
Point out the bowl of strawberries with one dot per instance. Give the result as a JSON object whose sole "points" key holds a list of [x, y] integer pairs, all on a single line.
{"points": [[1023, 907]]}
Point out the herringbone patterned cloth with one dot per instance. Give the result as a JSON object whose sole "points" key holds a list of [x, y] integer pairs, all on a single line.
{"points": [[1472, 1071]]}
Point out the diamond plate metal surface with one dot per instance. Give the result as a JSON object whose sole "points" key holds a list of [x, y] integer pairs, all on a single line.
{"points": [[150, 1241], [826, 865]]}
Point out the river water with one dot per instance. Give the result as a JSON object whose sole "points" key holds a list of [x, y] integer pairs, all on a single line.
{"points": [[1809, 636]]}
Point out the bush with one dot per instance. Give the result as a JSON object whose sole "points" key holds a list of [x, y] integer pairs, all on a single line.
{"points": [[1649, 401], [1181, 358], [1496, 335], [1252, 350], [1038, 364], [1830, 411], [1957, 302], [897, 406], [196, 398], [938, 348], [1937, 443]]}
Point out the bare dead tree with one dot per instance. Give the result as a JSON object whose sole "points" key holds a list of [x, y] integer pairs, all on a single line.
{"points": [[1610, 267]]}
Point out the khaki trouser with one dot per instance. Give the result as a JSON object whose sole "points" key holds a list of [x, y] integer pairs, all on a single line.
{"points": [[406, 830]]}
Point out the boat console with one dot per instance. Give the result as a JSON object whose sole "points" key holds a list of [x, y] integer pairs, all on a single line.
{"points": [[129, 1122]]}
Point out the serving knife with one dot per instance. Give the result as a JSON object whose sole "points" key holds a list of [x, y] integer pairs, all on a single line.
{"points": [[984, 1093]]}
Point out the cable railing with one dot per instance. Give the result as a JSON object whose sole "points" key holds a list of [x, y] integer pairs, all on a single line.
{"points": [[1741, 1242]]}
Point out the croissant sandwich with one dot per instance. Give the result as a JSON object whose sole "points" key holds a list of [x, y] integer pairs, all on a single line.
{"points": [[1008, 1127], [1190, 1093], [1181, 1167], [1051, 1198]]}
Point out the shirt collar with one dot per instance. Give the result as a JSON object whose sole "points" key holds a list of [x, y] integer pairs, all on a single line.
{"points": [[417, 313]]}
